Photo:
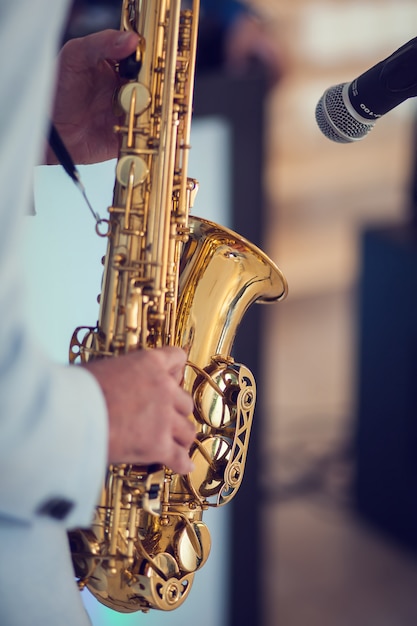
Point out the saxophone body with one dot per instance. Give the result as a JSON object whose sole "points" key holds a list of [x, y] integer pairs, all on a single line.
{"points": [[169, 279]]}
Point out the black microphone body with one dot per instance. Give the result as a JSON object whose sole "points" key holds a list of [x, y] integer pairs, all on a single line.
{"points": [[348, 111]]}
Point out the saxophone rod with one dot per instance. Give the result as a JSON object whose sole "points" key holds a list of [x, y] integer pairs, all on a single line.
{"points": [[61, 152]]}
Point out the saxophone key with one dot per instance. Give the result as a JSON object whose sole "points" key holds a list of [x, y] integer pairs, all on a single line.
{"points": [[136, 93], [192, 546], [124, 170]]}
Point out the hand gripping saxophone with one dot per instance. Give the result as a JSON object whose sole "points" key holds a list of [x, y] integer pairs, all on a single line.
{"points": [[169, 279]]}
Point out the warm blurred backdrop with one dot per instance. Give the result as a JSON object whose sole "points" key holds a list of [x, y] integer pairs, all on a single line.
{"points": [[324, 566]]}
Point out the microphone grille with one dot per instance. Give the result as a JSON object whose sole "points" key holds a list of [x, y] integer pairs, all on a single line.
{"points": [[334, 119]]}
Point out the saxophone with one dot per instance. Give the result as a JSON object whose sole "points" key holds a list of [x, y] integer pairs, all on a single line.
{"points": [[169, 279]]}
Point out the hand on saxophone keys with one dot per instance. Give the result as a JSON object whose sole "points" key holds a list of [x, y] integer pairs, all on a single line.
{"points": [[148, 410], [86, 81]]}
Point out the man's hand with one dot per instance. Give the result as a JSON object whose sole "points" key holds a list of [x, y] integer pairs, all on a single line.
{"points": [[86, 80], [148, 410]]}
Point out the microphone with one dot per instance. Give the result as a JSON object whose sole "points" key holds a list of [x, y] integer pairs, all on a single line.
{"points": [[348, 111]]}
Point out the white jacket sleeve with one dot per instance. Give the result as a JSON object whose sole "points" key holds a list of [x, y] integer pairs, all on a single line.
{"points": [[53, 422], [53, 436]]}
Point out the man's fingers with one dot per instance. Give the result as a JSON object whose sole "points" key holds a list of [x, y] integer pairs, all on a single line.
{"points": [[184, 403], [148, 409], [184, 433], [124, 44], [180, 461], [107, 44], [175, 359]]}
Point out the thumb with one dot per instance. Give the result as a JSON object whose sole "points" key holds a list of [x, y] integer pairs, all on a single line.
{"points": [[121, 44], [108, 44]]}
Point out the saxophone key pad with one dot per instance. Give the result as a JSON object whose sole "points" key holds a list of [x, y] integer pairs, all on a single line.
{"points": [[192, 547], [139, 93], [131, 165]]}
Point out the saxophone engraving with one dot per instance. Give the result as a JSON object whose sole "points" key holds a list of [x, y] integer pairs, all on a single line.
{"points": [[169, 279]]}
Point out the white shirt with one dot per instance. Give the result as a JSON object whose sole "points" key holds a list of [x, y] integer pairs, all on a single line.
{"points": [[53, 421]]}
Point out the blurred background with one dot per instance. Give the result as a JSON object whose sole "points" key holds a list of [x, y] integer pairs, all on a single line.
{"points": [[335, 550], [338, 526]]}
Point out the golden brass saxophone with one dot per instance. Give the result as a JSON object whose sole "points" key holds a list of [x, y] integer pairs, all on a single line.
{"points": [[169, 279]]}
